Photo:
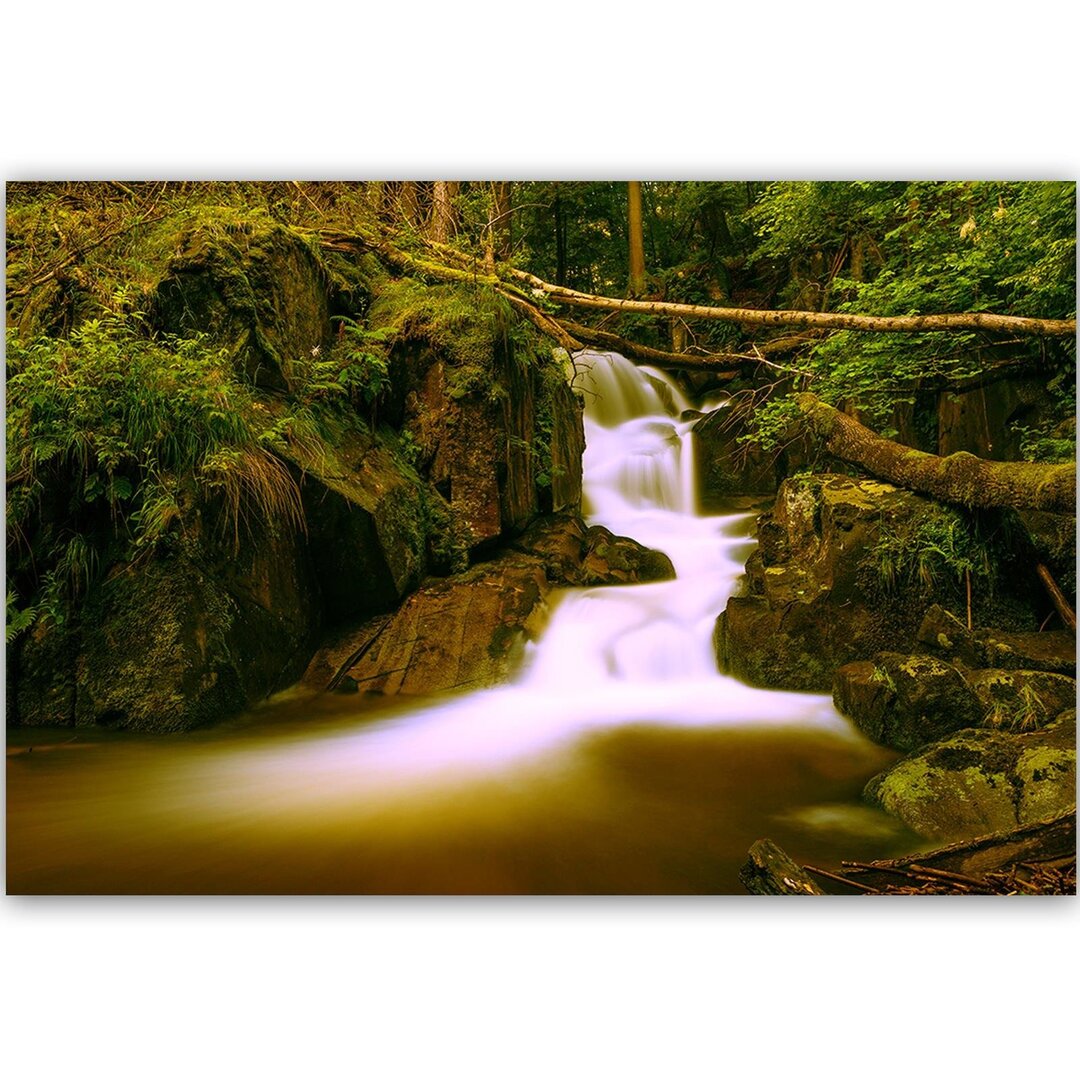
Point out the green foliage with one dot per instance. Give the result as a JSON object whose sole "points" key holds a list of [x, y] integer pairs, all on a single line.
{"points": [[938, 547], [131, 431]]}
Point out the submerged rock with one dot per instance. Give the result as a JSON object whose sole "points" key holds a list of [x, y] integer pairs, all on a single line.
{"points": [[983, 781]]}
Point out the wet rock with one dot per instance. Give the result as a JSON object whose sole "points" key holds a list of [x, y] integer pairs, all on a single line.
{"points": [[574, 555], [460, 633], [608, 559], [906, 701], [978, 782], [945, 635], [466, 631]]}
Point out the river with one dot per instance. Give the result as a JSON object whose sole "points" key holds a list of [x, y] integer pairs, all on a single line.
{"points": [[619, 760]]}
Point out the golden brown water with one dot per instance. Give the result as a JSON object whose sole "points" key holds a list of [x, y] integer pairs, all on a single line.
{"points": [[641, 808], [619, 761]]}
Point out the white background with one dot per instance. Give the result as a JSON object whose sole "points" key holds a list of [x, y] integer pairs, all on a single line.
{"points": [[596, 988]]}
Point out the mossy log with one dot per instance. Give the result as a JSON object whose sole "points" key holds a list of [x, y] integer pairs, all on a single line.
{"points": [[959, 478], [770, 871]]}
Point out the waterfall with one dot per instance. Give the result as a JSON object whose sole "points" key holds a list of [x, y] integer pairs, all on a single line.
{"points": [[609, 655]]}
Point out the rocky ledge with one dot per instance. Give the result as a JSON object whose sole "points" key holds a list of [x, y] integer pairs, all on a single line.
{"points": [[465, 632]]}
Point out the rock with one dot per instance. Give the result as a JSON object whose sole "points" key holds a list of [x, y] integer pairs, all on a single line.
{"points": [[978, 782], [460, 633], [465, 631], [818, 593], [257, 289], [617, 560], [574, 555], [1020, 700], [906, 701], [366, 530], [946, 636]]}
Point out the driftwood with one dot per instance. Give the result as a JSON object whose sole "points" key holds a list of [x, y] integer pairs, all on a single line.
{"points": [[770, 871], [960, 478], [1035, 858]]}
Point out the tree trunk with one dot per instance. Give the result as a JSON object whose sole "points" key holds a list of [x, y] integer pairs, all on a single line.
{"points": [[959, 478], [442, 211], [503, 241], [894, 324], [637, 240], [560, 240], [409, 198]]}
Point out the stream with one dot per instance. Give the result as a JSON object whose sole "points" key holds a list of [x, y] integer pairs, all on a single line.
{"points": [[618, 760]]}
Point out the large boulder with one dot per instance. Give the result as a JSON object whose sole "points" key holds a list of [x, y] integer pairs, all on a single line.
{"points": [[465, 631], [815, 597], [844, 569], [906, 701], [255, 288], [977, 782], [725, 466]]}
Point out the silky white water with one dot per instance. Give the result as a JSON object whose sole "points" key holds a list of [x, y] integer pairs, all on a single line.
{"points": [[609, 655], [618, 759]]}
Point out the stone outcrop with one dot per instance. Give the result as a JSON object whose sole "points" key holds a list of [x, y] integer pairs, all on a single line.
{"points": [[256, 289], [978, 782], [727, 467], [465, 631], [943, 634], [815, 599]]}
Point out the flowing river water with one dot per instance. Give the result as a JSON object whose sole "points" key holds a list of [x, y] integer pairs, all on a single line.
{"points": [[618, 760]]}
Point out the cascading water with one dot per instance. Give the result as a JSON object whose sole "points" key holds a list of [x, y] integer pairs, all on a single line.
{"points": [[618, 760]]}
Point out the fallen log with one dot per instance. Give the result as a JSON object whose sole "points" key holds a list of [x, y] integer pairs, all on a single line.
{"points": [[725, 365], [959, 478], [825, 320], [770, 871]]}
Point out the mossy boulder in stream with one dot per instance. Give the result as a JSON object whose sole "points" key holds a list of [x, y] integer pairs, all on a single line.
{"points": [[907, 701], [978, 782], [845, 569]]}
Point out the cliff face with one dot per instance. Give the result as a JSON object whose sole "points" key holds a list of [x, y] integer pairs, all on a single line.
{"points": [[217, 618]]}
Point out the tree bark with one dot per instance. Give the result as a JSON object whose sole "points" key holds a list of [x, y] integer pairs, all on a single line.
{"points": [[959, 478], [442, 211], [503, 241], [637, 241], [560, 240], [827, 320]]}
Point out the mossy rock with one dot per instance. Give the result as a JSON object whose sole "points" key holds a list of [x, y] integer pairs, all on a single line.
{"points": [[945, 635], [906, 701], [978, 782], [255, 288], [1021, 700]]}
